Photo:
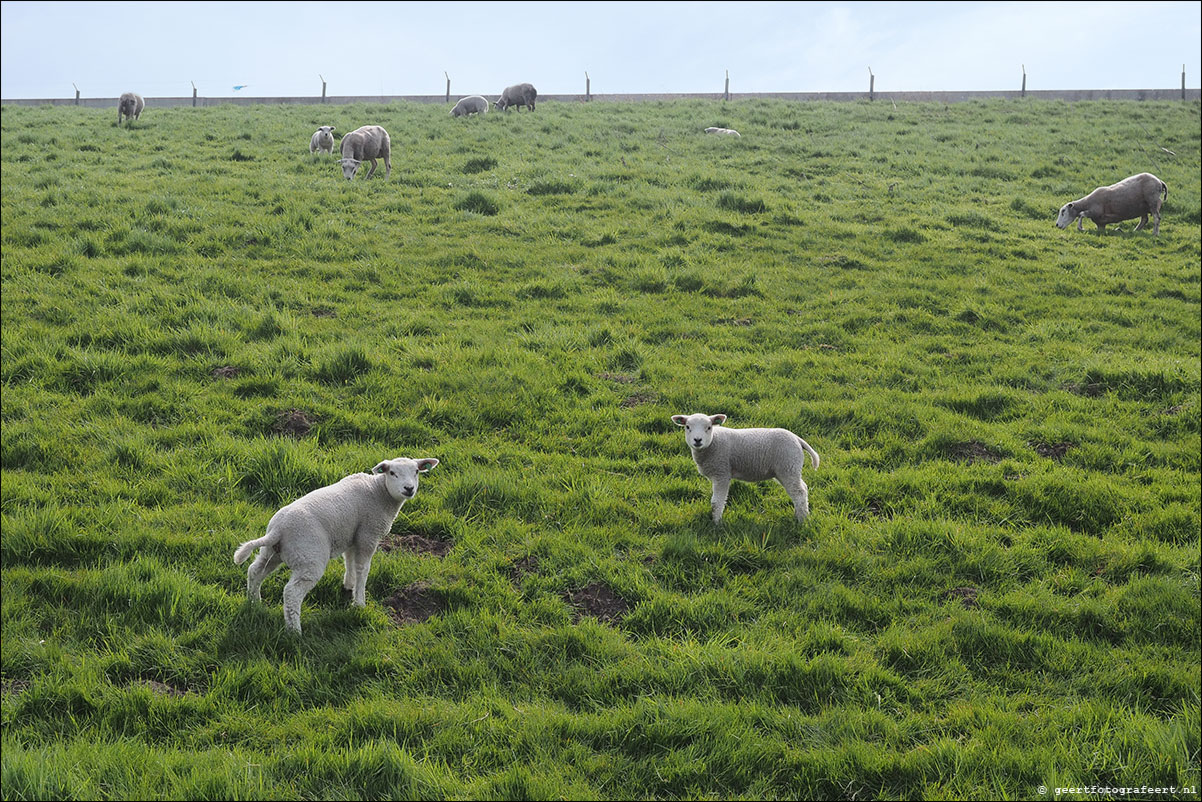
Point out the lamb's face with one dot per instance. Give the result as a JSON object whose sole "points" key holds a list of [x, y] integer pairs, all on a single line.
{"points": [[1066, 216], [698, 429], [349, 168], [401, 475]]}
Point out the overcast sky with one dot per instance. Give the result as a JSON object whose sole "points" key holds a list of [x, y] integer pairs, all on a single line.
{"points": [[365, 48]]}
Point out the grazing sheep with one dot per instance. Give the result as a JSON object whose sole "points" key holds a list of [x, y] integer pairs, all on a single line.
{"points": [[470, 105], [726, 131], [349, 517], [1137, 196], [517, 95], [368, 143], [323, 139], [130, 105], [751, 455]]}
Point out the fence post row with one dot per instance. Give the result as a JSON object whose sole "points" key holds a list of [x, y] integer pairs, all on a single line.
{"points": [[726, 91], [1024, 80], [588, 95], [871, 85], [193, 93], [323, 87], [448, 86], [77, 88]]}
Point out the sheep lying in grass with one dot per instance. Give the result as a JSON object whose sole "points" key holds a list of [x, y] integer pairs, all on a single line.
{"points": [[130, 105], [1137, 196], [366, 143], [470, 105], [726, 131], [349, 517], [751, 455], [323, 139]]}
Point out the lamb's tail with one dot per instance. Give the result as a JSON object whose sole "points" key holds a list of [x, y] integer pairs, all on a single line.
{"points": [[246, 548], [813, 454], [1164, 190]]}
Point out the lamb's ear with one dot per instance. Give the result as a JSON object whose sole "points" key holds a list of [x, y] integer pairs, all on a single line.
{"points": [[679, 420], [424, 465], [383, 466], [717, 419], [1068, 206]]}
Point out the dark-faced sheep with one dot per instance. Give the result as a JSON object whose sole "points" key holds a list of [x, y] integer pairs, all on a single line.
{"points": [[130, 106], [367, 143], [1138, 196], [517, 95]]}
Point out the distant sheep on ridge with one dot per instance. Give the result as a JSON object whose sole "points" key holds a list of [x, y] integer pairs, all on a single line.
{"points": [[323, 139], [130, 106], [367, 143], [470, 105], [517, 95]]}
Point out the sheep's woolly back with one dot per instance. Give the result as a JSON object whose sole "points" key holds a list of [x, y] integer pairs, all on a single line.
{"points": [[753, 455]]}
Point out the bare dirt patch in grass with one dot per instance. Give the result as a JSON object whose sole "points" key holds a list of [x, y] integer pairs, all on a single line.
{"points": [[416, 544], [520, 569], [599, 601], [293, 423], [965, 595], [1052, 450], [414, 603], [973, 451]]}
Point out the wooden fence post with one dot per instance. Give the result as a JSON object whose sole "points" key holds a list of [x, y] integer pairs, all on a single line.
{"points": [[1024, 80], [193, 93], [871, 85], [588, 93], [1183, 82], [77, 88], [448, 86], [323, 87], [726, 91]]}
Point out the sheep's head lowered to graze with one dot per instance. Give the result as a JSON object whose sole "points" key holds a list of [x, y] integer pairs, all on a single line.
{"points": [[349, 167]]}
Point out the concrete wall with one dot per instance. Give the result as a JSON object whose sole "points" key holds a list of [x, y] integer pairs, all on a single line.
{"points": [[907, 97]]}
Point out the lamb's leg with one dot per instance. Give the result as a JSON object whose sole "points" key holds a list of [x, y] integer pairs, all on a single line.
{"points": [[1143, 221], [264, 565], [387, 166], [718, 499], [797, 490], [298, 587], [348, 576], [364, 565], [1156, 224]]}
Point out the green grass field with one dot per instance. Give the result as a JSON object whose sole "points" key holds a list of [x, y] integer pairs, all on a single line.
{"points": [[997, 590]]}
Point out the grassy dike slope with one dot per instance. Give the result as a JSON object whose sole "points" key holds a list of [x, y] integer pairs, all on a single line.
{"points": [[998, 588]]}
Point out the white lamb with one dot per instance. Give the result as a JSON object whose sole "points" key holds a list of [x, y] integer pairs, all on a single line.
{"points": [[349, 517], [750, 455], [323, 139], [724, 131]]}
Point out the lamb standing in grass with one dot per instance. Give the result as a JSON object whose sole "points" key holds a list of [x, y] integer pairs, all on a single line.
{"points": [[323, 139], [751, 455], [367, 143], [470, 105], [349, 517], [130, 105], [1137, 196]]}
